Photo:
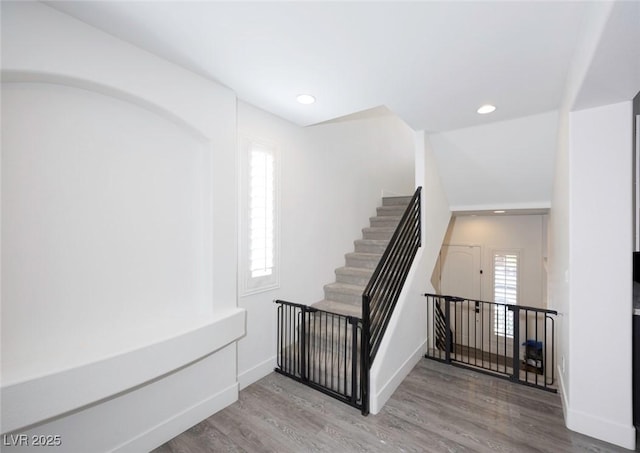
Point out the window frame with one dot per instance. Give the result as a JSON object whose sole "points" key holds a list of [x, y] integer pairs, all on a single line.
{"points": [[247, 284]]}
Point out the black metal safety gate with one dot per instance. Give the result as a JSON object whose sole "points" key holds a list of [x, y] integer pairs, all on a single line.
{"points": [[322, 350], [511, 341]]}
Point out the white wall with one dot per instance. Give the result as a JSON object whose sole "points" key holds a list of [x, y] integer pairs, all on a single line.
{"points": [[405, 342], [332, 178], [119, 245], [600, 279], [559, 217], [524, 233], [558, 259], [502, 165], [589, 225], [257, 349], [590, 222], [103, 223], [359, 159]]}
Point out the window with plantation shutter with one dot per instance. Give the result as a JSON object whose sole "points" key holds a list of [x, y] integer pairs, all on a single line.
{"points": [[260, 214], [505, 291]]}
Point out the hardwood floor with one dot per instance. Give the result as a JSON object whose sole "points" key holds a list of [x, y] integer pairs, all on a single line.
{"points": [[438, 408]]}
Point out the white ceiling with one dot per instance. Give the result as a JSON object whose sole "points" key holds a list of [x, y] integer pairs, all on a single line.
{"points": [[614, 72], [432, 63]]}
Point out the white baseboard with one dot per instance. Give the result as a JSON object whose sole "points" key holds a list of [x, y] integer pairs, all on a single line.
{"points": [[606, 430], [377, 401], [592, 426], [564, 397], [246, 378], [179, 422]]}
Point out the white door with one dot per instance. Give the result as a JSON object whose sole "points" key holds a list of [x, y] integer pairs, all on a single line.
{"points": [[460, 271], [460, 274]]}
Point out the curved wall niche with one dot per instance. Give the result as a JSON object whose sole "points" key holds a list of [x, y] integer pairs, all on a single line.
{"points": [[107, 217]]}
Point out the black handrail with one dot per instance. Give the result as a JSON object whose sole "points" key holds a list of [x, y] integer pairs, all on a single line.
{"points": [[383, 290]]}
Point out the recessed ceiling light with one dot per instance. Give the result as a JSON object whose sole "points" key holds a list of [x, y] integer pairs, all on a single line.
{"points": [[306, 99], [487, 108], [499, 212]]}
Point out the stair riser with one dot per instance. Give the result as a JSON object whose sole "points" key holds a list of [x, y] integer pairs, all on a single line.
{"points": [[377, 234], [384, 222], [352, 279], [365, 263], [370, 248], [395, 201], [331, 306], [383, 211], [338, 296]]}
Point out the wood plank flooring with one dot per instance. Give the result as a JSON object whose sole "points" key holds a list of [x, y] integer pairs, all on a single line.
{"points": [[438, 408]]}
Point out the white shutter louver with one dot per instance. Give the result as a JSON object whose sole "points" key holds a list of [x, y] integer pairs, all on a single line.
{"points": [[505, 291], [261, 212], [259, 241]]}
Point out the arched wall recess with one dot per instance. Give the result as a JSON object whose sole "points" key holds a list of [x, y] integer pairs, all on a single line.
{"points": [[14, 76], [107, 254]]}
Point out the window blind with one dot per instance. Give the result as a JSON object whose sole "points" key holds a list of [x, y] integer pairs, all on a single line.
{"points": [[261, 212], [505, 291]]}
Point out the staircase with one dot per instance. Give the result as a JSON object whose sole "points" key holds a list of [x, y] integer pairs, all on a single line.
{"points": [[344, 296], [331, 344]]}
